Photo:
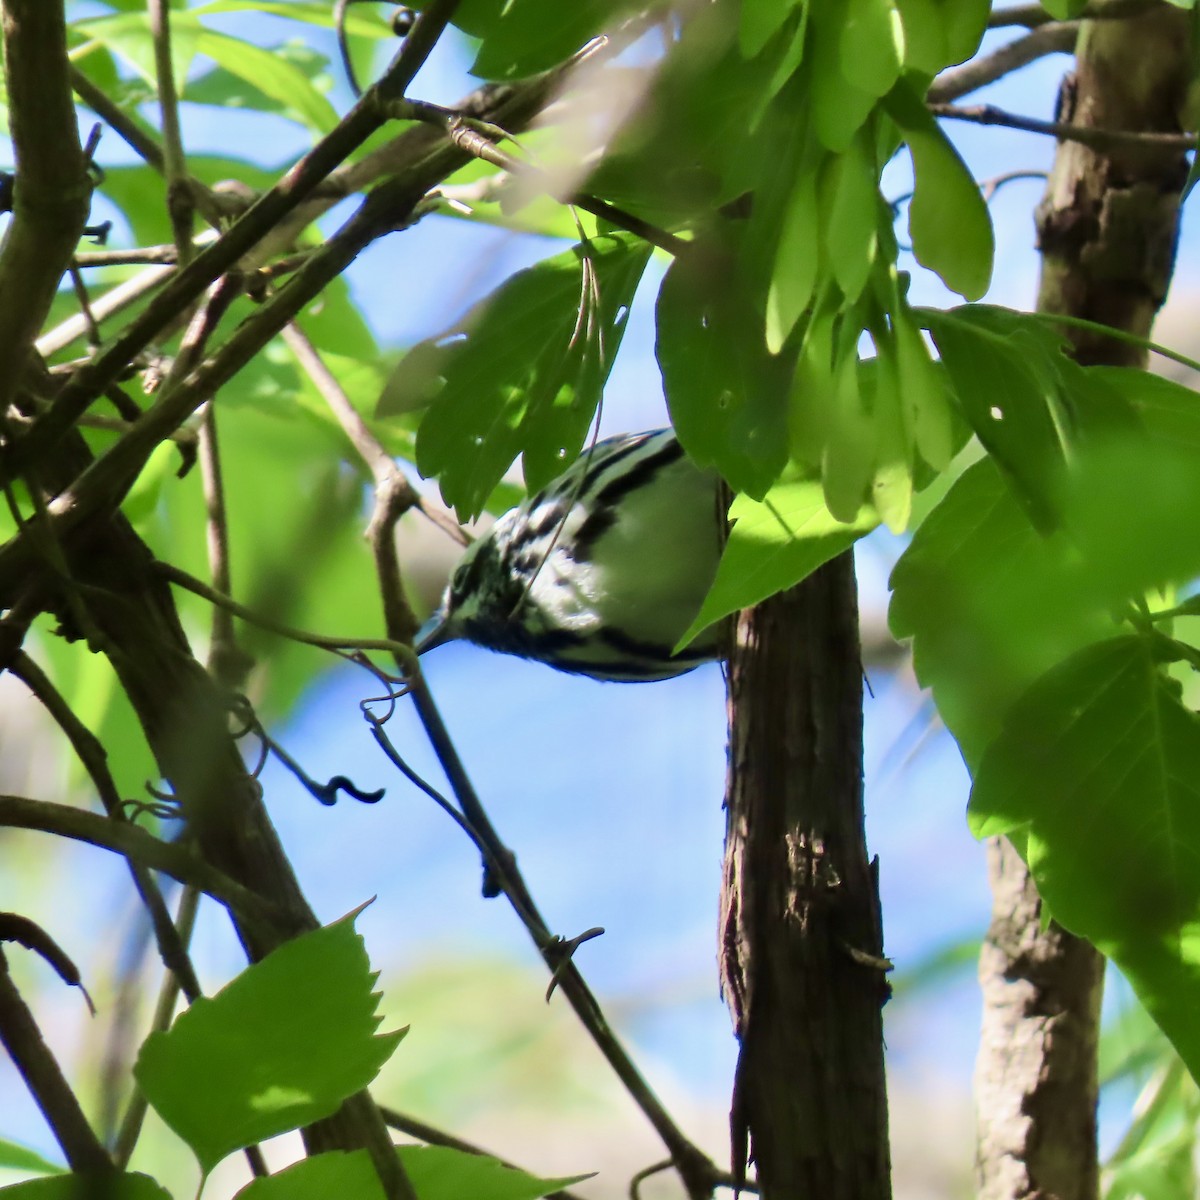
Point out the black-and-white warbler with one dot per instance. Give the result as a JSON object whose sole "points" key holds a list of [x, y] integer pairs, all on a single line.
{"points": [[599, 573]]}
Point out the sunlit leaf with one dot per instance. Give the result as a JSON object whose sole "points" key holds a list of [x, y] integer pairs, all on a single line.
{"points": [[949, 223], [280, 1047]]}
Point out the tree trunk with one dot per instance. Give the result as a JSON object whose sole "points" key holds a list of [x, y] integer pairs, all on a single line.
{"points": [[801, 938], [1107, 227]]}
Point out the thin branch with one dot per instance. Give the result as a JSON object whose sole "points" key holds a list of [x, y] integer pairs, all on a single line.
{"points": [[320, 640], [51, 191], [1055, 37], [113, 116], [115, 300], [378, 461], [38, 1067], [134, 843], [478, 139], [1033, 15], [1098, 139], [180, 205], [138, 256], [92, 756]]}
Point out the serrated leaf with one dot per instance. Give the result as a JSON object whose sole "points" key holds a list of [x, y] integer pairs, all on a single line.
{"points": [[1004, 376], [949, 223], [436, 1173], [1098, 763], [774, 544], [86, 1186], [523, 371], [872, 45], [280, 1047], [727, 394]]}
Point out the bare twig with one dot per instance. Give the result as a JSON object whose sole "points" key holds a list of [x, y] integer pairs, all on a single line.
{"points": [[377, 460], [85, 306], [113, 116], [1097, 139], [1055, 37], [179, 199], [320, 640], [138, 256], [91, 754], [47, 1084], [136, 844]]}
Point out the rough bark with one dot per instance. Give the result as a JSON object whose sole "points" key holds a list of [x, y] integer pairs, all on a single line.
{"points": [[1107, 229], [800, 926]]}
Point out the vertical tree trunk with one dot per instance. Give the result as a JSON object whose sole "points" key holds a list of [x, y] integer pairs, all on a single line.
{"points": [[800, 928], [1107, 228]]}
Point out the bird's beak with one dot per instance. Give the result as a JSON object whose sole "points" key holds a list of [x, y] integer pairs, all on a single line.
{"points": [[435, 632]]}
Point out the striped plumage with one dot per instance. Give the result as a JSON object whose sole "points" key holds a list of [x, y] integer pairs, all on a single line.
{"points": [[601, 572]]}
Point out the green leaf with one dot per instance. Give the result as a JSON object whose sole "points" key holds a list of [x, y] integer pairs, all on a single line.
{"points": [[849, 460], [760, 20], [1099, 764], [436, 1173], [1064, 10], [272, 73], [852, 218], [15, 1157], [521, 37], [989, 603], [523, 371], [128, 36], [840, 109], [280, 1047], [726, 393], [872, 45], [948, 221], [1131, 506], [924, 390], [1004, 373], [964, 23], [359, 21], [892, 484], [925, 48], [797, 263], [116, 1186], [774, 544]]}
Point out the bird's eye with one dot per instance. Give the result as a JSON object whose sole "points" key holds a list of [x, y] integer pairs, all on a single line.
{"points": [[458, 581]]}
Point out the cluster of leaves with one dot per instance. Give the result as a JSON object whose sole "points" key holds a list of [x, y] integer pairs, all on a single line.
{"points": [[1040, 590], [277, 1049]]}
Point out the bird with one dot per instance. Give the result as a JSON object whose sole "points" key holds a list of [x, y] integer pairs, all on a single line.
{"points": [[601, 572]]}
